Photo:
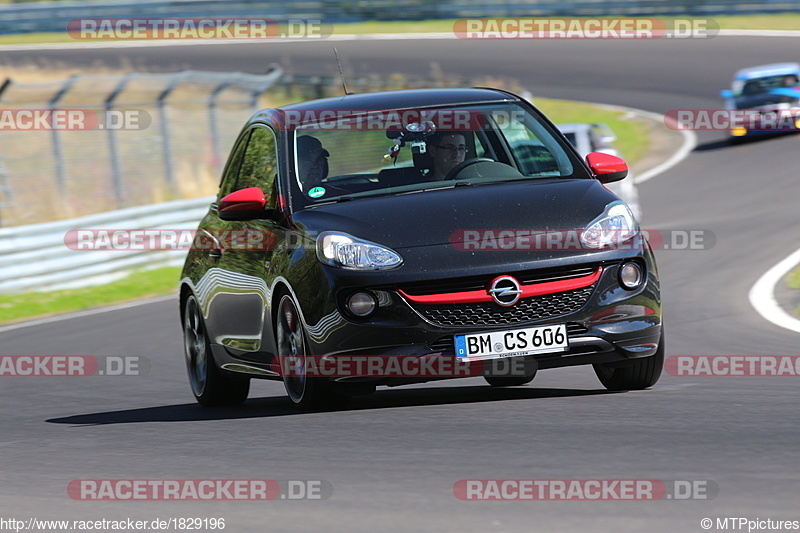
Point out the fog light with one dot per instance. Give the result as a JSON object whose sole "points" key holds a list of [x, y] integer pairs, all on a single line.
{"points": [[630, 275], [797, 123], [738, 132], [362, 304]]}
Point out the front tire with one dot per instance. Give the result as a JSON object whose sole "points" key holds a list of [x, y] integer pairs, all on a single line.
{"points": [[209, 385], [305, 392], [639, 374], [508, 382]]}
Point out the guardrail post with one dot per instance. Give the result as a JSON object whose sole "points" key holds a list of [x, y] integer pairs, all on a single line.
{"points": [[165, 135], [5, 190], [112, 143], [213, 125], [6, 194], [61, 177]]}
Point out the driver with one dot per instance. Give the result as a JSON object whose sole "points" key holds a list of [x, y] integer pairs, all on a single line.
{"points": [[447, 150]]}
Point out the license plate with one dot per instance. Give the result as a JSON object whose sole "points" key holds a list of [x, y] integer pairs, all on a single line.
{"points": [[512, 343]]}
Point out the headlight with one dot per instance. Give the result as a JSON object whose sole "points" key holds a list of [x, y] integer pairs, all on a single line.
{"points": [[615, 226], [345, 251]]}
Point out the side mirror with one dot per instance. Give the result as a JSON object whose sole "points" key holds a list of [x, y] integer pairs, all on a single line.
{"points": [[726, 93], [606, 167], [244, 204]]}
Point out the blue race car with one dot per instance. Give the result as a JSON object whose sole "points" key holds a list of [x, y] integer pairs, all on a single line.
{"points": [[772, 93]]}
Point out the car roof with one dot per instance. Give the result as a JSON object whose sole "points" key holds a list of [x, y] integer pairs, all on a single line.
{"points": [[404, 99], [388, 100], [773, 69]]}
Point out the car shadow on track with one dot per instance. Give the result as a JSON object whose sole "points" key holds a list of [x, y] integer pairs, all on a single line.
{"points": [[721, 144], [281, 406]]}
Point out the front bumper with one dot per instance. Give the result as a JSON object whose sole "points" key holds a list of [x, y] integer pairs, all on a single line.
{"points": [[605, 323]]}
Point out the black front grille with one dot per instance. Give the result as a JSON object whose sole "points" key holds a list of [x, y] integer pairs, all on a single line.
{"points": [[474, 283], [447, 343], [491, 314]]}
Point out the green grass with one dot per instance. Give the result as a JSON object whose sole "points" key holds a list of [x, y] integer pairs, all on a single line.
{"points": [[787, 21], [793, 281], [632, 139], [138, 285]]}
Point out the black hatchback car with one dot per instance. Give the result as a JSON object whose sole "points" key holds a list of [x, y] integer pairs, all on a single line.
{"points": [[405, 236]]}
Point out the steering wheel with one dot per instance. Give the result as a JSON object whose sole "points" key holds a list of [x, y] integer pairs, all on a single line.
{"points": [[464, 164]]}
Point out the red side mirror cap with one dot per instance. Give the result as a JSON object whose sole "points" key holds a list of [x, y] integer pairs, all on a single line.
{"points": [[607, 167], [242, 204]]}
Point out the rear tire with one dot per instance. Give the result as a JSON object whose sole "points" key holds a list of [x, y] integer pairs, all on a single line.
{"points": [[209, 385], [640, 374]]}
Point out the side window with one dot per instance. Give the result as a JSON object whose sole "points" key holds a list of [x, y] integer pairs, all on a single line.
{"points": [[535, 149], [228, 183], [260, 163], [531, 154]]}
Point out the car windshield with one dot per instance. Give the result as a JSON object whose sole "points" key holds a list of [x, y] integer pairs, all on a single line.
{"points": [[399, 151], [761, 85]]}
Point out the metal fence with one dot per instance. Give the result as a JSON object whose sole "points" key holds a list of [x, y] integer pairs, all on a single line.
{"points": [[54, 16], [157, 137]]}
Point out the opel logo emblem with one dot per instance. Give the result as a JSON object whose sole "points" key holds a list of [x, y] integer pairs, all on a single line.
{"points": [[505, 291]]}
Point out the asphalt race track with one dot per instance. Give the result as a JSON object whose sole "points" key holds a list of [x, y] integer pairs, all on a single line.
{"points": [[393, 459]]}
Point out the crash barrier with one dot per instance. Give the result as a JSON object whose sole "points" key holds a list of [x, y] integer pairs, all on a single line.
{"points": [[55, 16], [39, 257]]}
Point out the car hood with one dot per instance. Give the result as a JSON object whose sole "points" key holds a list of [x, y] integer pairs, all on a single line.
{"points": [[438, 217]]}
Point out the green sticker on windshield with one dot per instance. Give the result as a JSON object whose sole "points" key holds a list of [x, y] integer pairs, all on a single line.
{"points": [[316, 192]]}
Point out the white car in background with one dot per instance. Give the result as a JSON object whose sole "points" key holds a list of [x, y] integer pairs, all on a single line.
{"points": [[588, 138]]}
